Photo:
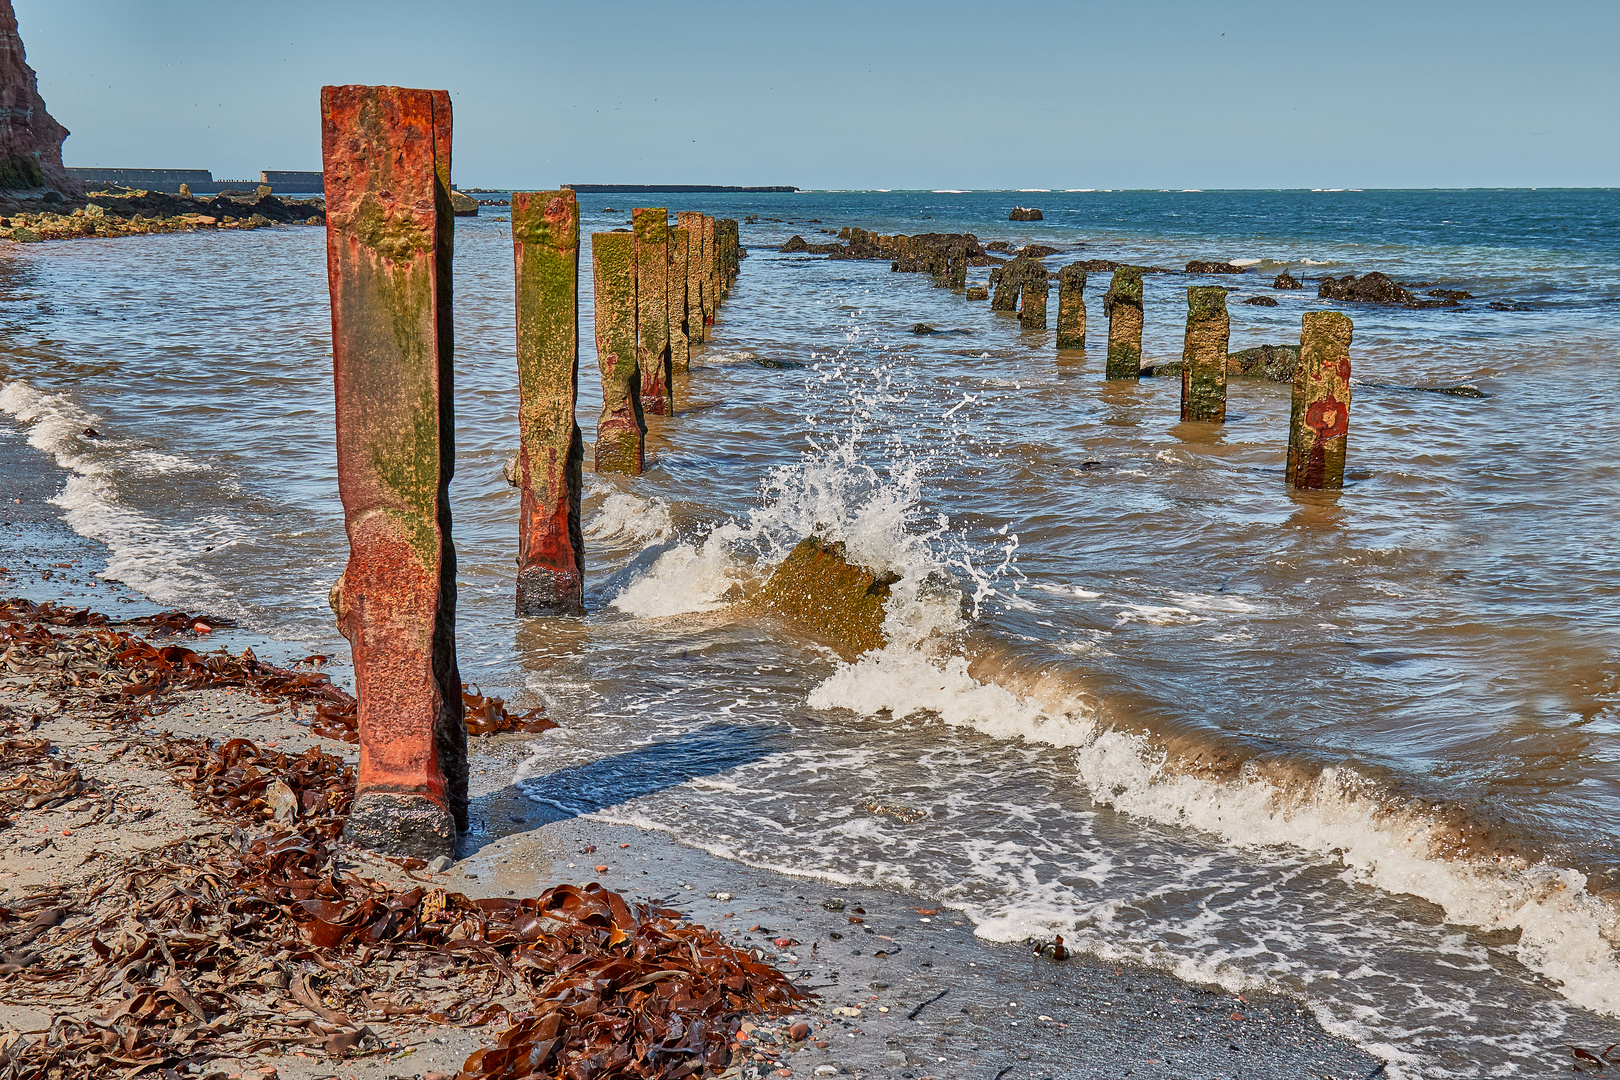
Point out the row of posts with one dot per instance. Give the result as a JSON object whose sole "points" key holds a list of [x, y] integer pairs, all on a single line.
{"points": [[1319, 423], [390, 228]]}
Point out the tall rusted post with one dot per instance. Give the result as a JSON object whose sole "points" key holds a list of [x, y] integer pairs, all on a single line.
{"points": [[1032, 313], [389, 232], [1203, 355], [711, 275], [651, 227], [551, 454], [1122, 303], [680, 341], [1071, 320], [692, 222], [621, 433], [1320, 425]]}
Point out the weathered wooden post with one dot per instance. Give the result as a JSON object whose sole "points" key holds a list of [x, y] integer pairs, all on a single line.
{"points": [[1319, 427], [621, 433], [1122, 303], [711, 274], [680, 341], [652, 308], [1071, 320], [1203, 354], [1032, 314], [692, 222], [389, 232], [551, 455]]}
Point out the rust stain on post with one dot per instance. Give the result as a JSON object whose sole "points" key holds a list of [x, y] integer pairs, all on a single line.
{"points": [[1320, 425], [1203, 355], [1071, 320], [692, 222], [1123, 306], [680, 341], [551, 552], [621, 433], [389, 230], [651, 226]]}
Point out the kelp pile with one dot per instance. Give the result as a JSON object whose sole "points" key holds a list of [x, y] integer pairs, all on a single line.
{"points": [[263, 938]]}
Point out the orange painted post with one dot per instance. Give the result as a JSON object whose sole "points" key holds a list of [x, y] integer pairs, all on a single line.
{"points": [[551, 454], [680, 341], [389, 231], [692, 222], [621, 433], [1320, 425], [651, 228]]}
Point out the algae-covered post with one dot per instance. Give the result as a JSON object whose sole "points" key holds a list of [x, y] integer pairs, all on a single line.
{"points": [[652, 308], [551, 454], [711, 274], [1203, 356], [389, 228], [1122, 303], [1032, 314], [1319, 426], [956, 271], [680, 341], [1071, 320], [621, 432], [692, 222]]}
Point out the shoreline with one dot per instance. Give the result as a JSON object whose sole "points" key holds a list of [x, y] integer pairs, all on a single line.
{"points": [[1113, 1017]]}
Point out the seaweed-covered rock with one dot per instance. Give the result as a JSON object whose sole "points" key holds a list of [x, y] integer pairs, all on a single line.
{"points": [[1198, 266], [1451, 294], [1261, 301], [977, 292], [999, 245], [1285, 280], [1036, 251], [460, 205], [831, 599], [1274, 362], [1025, 213], [1374, 288]]}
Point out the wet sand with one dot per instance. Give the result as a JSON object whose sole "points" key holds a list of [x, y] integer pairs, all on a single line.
{"points": [[903, 988]]}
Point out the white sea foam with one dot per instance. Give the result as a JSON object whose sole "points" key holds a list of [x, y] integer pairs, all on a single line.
{"points": [[627, 518], [686, 579]]}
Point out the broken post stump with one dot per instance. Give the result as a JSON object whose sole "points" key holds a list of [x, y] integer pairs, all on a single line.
{"points": [[621, 433], [551, 453], [1122, 303], [1071, 320], [692, 222], [680, 341], [956, 272], [651, 226], [1319, 426], [389, 230], [1203, 354], [1032, 313]]}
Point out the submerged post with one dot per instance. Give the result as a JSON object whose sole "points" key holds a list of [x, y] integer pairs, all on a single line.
{"points": [[1122, 303], [1203, 355], [1032, 313], [692, 222], [1071, 320], [652, 308], [621, 432], [551, 454], [680, 341], [1319, 426], [389, 232]]}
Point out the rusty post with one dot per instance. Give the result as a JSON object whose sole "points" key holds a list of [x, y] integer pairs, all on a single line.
{"points": [[1071, 320], [621, 433], [551, 454], [692, 222], [651, 226], [680, 341], [1032, 313], [1320, 424], [711, 275], [1122, 303], [389, 232], [1203, 354]]}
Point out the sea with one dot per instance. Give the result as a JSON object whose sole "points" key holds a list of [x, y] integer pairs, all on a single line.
{"points": [[1361, 747]]}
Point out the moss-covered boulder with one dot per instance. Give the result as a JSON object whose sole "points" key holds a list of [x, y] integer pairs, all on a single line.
{"points": [[829, 598]]}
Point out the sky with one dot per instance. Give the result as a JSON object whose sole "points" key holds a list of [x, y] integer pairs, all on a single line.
{"points": [[869, 94]]}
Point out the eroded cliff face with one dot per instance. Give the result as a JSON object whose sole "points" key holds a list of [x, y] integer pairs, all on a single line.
{"points": [[30, 141]]}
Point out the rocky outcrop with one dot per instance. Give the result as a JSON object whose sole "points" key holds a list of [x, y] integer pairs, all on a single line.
{"points": [[1025, 213], [1274, 362], [798, 243], [1375, 288], [1285, 280], [1198, 266], [828, 597], [30, 140], [134, 213], [1262, 301], [460, 205], [1098, 266], [1036, 251]]}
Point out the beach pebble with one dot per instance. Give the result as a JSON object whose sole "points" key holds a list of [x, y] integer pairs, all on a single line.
{"points": [[845, 1010], [799, 1031], [722, 896], [827, 1070], [601, 868], [441, 864], [894, 1057], [833, 903]]}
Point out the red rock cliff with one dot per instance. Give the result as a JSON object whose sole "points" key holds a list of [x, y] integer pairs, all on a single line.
{"points": [[30, 141]]}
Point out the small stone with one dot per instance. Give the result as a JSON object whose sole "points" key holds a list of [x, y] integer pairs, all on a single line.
{"points": [[827, 1070], [833, 903], [894, 1057], [723, 897], [441, 864], [1262, 301], [977, 292]]}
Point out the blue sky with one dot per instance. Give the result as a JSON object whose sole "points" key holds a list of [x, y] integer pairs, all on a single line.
{"points": [[842, 94]]}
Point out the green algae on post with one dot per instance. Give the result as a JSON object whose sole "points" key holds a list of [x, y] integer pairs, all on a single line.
{"points": [[620, 432], [680, 339], [1319, 426], [551, 453], [386, 153], [651, 227], [1122, 303], [1203, 355], [1071, 320], [1032, 312], [692, 222]]}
